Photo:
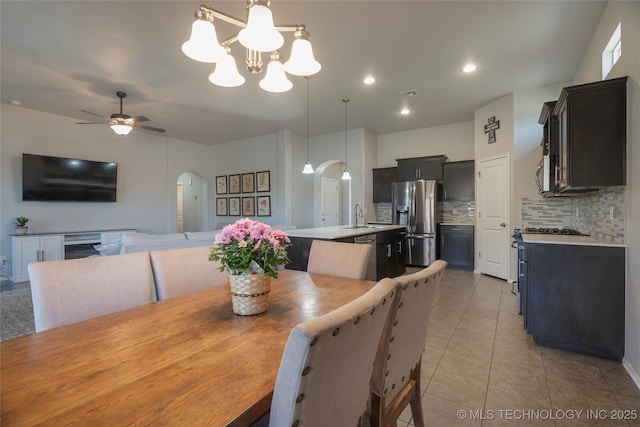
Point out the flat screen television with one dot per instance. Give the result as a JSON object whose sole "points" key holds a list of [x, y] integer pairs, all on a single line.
{"points": [[47, 178]]}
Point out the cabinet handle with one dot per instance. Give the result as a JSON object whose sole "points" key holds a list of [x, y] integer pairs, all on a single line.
{"points": [[389, 250], [399, 247]]}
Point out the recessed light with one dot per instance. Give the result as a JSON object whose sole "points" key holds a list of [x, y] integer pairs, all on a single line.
{"points": [[469, 68], [16, 102], [405, 111], [369, 80]]}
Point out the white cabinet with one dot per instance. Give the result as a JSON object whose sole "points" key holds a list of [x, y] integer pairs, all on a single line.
{"points": [[27, 249]]}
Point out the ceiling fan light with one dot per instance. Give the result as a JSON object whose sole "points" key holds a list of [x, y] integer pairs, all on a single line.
{"points": [[226, 73], [121, 129], [203, 44], [275, 80], [260, 34], [307, 168], [301, 62]]}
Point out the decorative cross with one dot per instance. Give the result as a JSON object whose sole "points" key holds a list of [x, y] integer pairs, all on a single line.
{"points": [[491, 129]]}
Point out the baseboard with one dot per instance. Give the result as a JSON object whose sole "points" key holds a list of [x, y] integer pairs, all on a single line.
{"points": [[632, 373]]}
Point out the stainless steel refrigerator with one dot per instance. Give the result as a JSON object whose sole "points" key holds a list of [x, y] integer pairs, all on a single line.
{"points": [[414, 204]]}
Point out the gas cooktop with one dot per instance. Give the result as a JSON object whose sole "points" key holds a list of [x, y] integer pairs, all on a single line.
{"points": [[548, 230]]}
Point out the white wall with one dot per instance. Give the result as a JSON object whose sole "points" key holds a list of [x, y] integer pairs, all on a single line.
{"points": [[456, 141], [628, 65]]}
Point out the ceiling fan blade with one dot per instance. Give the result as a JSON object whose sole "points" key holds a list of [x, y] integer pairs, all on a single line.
{"points": [[89, 112], [138, 119], [92, 123], [135, 125]]}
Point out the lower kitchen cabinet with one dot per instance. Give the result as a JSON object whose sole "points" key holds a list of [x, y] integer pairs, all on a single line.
{"points": [[456, 246], [33, 248], [575, 297], [390, 255]]}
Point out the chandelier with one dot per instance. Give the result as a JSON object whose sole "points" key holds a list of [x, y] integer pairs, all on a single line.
{"points": [[258, 34]]}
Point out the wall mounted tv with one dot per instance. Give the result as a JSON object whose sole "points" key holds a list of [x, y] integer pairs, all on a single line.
{"points": [[53, 179]]}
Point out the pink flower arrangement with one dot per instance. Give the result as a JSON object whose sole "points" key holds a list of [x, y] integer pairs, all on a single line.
{"points": [[250, 247]]}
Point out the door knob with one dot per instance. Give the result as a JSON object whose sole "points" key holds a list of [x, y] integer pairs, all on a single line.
{"points": [[503, 224]]}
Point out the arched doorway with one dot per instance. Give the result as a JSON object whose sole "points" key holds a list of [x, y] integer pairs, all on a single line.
{"points": [[327, 198], [192, 205]]}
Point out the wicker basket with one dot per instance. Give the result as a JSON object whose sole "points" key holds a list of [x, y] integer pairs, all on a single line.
{"points": [[250, 294]]}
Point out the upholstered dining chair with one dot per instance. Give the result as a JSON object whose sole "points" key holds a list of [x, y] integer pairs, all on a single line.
{"points": [[339, 259], [396, 376], [70, 291], [327, 363], [180, 271]]}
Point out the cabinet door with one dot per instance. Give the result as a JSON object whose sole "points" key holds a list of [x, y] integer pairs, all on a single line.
{"points": [[400, 261], [459, 183], [456, 246], [24, 250], [431, 168], [382, 180], [51, 248], [408, 169]]}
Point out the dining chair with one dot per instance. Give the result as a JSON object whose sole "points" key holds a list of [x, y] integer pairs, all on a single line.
{"points": [[180, 271], [327, 363], [396, 375], [70, 291], [339, 259]]}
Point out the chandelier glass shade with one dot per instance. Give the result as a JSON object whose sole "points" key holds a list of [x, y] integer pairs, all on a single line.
{"points": [[257, 35]]}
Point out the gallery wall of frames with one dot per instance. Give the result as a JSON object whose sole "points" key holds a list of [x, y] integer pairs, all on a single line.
{"points": [[246, 186]]}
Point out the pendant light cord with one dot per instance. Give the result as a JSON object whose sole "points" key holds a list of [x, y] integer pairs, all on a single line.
{"points": [[345, 131], [307, 77]]}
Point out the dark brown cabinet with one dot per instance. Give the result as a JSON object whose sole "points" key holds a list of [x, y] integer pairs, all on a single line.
{"points": [[591, 136], [459, 183], [390, 254], [456, 246], [415, 168], [382, 180], [574, 297]]}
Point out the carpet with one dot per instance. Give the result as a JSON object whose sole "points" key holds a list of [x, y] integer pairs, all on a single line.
{"points": [[16, 314]]}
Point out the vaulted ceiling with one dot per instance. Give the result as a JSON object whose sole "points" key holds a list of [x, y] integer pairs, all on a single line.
{"points": [[61, 57]]}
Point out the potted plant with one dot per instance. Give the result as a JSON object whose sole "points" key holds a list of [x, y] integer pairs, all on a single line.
{"points": [[251, 252], [21, 225]]}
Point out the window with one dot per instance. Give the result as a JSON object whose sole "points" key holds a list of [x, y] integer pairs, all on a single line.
{"points": [[612, 52]]}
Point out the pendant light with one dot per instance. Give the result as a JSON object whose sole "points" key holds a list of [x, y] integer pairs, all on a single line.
{"points": [[307, 166], [346, 176]]}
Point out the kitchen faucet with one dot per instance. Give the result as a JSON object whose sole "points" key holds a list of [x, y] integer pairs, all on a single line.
{"points": [[358, 212]]}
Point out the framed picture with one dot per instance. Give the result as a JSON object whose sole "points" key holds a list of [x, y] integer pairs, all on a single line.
{"points": [[221, 184], [234, 206], [221, 206], [234, 184], [264, 205], [263, 181], [248, 182], [248, 206]]}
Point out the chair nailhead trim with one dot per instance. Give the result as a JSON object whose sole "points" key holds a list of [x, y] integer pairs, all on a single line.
{"points": [[295, 423], [388, 356], [314, 341], [391, 339], [300, 398], [402, 379], [385, 391], [372, 310], [386, 374], [305, 371], [384, 301], [357, 320], [336, 331], [395, 323], [400, 305], [393, 386]]}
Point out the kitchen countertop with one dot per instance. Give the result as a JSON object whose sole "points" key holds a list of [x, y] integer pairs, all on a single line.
{"points": [[341, 231], [567, 240]]}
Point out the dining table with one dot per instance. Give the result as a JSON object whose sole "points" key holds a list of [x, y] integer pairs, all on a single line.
{"points": [[187, 360]]}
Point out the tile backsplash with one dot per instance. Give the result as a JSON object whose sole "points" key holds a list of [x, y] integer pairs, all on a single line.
{"points": [[601, 214], [451, 212]]}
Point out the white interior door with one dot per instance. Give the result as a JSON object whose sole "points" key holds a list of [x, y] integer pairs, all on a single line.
{"points": [[492, 206], [180, 214], [330, 202]]}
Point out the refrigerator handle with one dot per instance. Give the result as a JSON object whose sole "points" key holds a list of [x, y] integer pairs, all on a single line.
{"points": [[412, 213]]}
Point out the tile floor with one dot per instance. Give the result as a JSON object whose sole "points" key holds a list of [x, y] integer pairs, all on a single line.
{"points": [[480, 368]]}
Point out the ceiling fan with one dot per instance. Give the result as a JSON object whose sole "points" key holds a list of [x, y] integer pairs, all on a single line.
{"points": [[121, 123]]}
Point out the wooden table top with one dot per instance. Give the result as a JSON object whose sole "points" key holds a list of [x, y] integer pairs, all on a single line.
{"points": [[186, 360]]}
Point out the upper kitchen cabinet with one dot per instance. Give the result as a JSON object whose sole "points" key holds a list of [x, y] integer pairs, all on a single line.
{"points": [[382, 179], [415, 168], [459, 184], [592, 135]]}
